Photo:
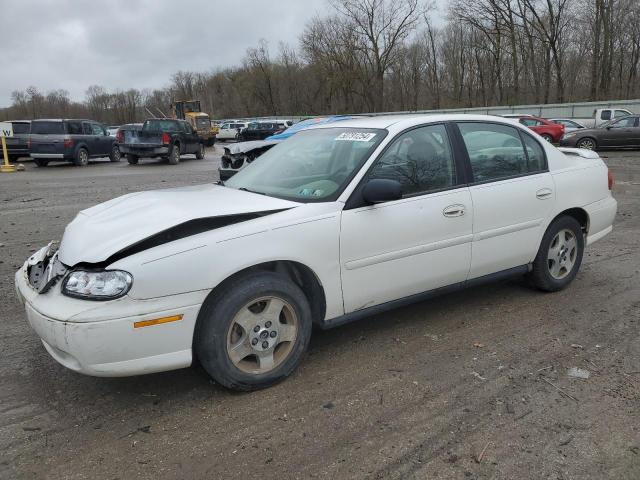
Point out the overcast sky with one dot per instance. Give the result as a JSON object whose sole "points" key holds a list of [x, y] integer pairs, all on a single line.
{"points": [[71, 44]]}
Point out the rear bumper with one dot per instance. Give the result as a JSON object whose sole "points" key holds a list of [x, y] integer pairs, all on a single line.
{"points": [[601, 217], [144, 151], [47, 155]]}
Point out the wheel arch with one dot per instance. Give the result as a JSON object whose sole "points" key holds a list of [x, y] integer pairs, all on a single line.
{"points": [[299, 273], [579, 214]]}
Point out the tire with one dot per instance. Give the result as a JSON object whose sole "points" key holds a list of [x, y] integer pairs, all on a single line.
{"points": [[200, 152], [40, 162], [554, 267], [211, 142], [82, 157], [547, 137], [115, 156], [587, 143], [132, 159], [264, 359], [174, 155]]}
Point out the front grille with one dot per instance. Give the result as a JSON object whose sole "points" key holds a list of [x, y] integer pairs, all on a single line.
{"points": [[43, 275]]}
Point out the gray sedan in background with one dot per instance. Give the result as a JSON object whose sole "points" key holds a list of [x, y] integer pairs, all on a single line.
{"points": [[619, 133]]}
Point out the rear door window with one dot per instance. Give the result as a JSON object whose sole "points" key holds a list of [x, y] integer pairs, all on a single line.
{"points": [[606, 115], [495, 151], [47, 128], [87, 129]]}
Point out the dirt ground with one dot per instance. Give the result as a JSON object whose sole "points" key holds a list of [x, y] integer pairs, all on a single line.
{"points": [[472, 385]]}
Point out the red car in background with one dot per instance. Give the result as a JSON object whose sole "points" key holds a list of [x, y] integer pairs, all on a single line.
{"points": [[551, 132]]}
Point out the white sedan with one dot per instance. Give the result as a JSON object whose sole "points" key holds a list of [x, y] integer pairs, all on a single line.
{"points": [[336, 223]]}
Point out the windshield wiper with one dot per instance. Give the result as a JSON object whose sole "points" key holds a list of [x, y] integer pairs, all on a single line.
{"points": [[244, 189]]}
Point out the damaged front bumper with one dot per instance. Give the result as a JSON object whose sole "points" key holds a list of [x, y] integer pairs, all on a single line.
{"points": [[102, 338]]}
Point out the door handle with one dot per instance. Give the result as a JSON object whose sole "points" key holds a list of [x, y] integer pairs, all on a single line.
{"points": [[453, 211], [544, 193]]}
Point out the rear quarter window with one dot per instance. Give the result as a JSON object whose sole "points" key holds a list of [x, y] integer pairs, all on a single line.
{"points": [[47, 128], [19, 128]]}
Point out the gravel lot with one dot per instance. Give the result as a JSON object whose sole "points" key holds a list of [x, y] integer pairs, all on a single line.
{"points": [[469, 385]]}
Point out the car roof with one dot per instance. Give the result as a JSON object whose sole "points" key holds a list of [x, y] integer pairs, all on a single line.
{"points": [[64, 120], [409, 120]]}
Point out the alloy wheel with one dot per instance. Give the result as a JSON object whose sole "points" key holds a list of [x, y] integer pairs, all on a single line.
{"points": [[262, 335], [562, 254]]}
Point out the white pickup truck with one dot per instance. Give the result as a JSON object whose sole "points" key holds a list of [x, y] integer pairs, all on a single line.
{"points": [[602, 115]]}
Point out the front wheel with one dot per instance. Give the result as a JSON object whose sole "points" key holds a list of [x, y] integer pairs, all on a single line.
{"points": [[560, 255], [587, 143], [200, 152], [253, 332], [547, 137]]}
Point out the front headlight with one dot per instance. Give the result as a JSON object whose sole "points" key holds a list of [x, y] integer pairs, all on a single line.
{"points": [[99, 285]]}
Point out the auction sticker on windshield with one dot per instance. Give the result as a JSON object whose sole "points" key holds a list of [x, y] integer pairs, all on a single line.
{"points": [[356, 136]]}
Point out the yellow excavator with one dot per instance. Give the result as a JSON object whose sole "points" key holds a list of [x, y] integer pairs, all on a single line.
{"points": [[191, 111]]}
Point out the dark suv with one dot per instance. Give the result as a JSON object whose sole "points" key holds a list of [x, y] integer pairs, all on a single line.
{"points": [[70, 140], [260, 131], [18, 145]]}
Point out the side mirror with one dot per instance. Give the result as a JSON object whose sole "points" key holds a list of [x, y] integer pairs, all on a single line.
{"points": [[381, 190]]}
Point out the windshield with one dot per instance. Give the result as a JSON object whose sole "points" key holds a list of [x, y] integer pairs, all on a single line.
{"points": [[203, 123], [313, 165]]}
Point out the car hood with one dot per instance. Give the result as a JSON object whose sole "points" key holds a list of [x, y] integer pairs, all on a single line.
{"points": [[101, 231], [245, 147], [587, 131]]}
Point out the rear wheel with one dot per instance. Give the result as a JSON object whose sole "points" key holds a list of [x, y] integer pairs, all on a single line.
{"points": [[115, 156], [254, 331], [40, 162], [547, 137], [132, 159], [587, 143], [82, 157], [200, 152], [560, 255], [174, 155]]}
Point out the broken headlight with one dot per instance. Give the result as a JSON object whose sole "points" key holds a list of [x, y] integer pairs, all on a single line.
{"points": [[97, 285]]}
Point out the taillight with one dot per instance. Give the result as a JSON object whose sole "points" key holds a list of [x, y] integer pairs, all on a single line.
{"points": [[120, 136], [68, 143], [165, 138], [610, 179]]}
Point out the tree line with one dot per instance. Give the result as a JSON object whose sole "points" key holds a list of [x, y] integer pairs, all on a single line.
{"points": [[390, 55]]}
